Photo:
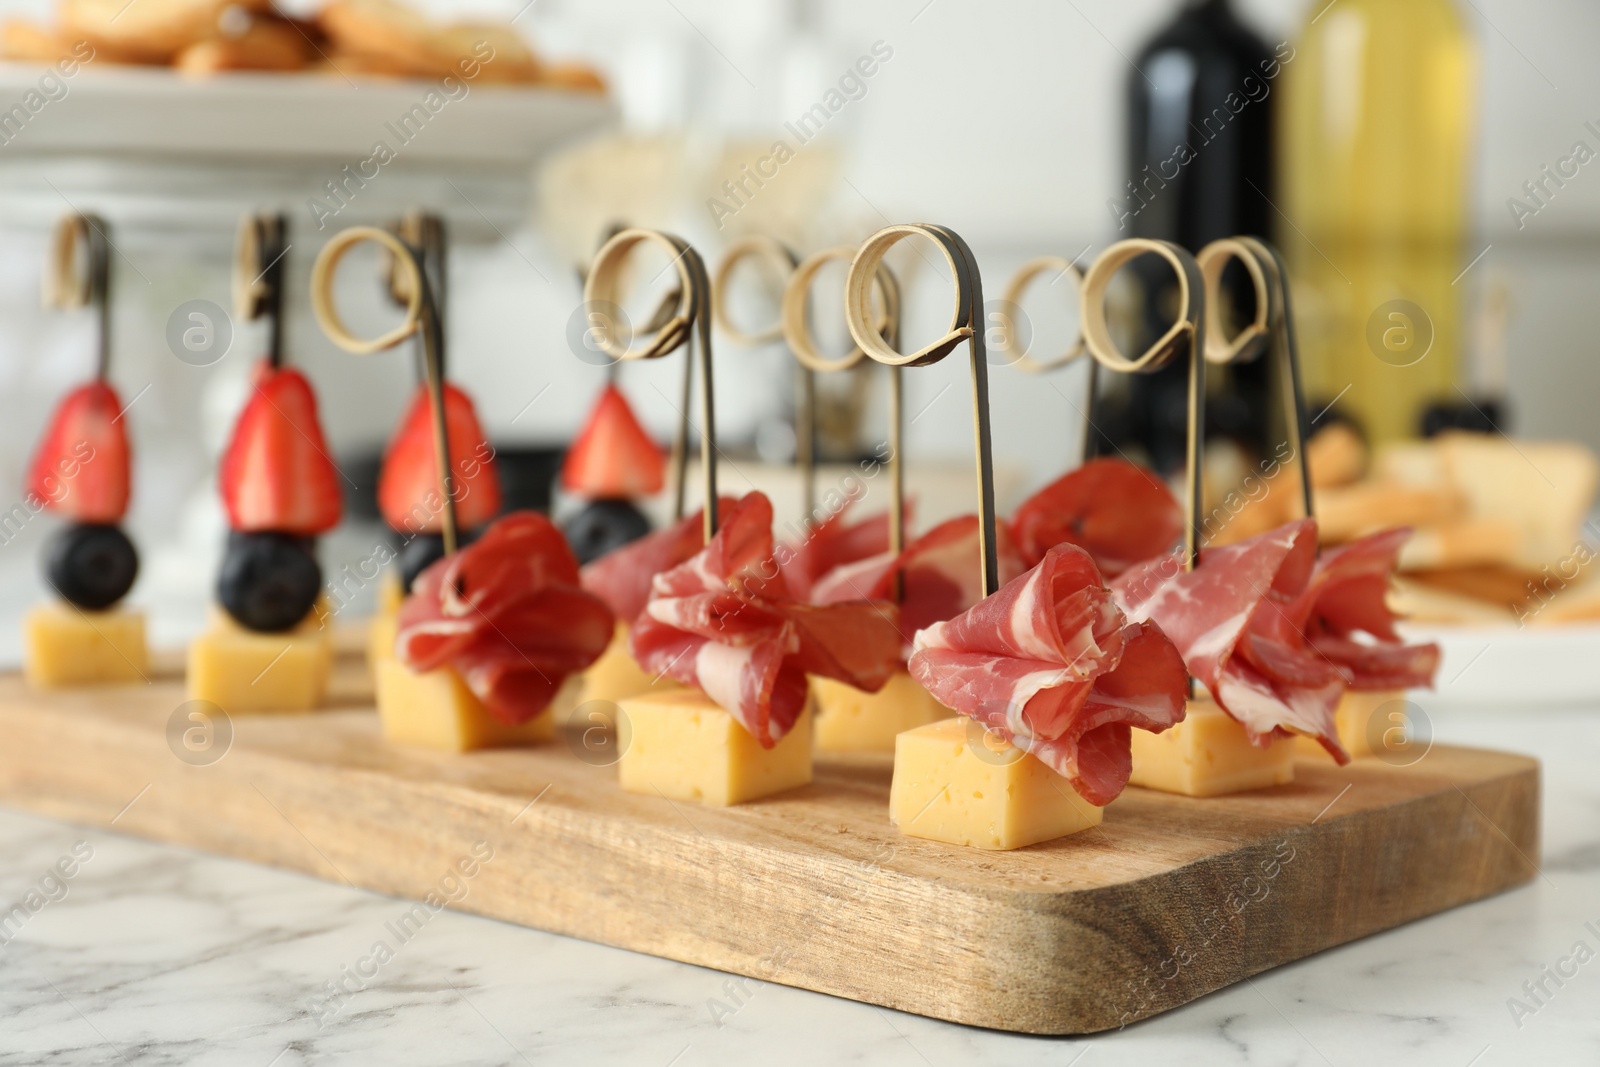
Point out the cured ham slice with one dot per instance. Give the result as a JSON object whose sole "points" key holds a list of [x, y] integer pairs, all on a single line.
{"points": [[723, 621], [1236, 619], [507, 613], [829, 545], [1121, 514], [1277, 634], [1051, 664], [942, 574], [1348, 621], [622, 578]]}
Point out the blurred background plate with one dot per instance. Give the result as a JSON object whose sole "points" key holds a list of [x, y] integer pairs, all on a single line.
{"points": [[136, 111], [1513, 668]]}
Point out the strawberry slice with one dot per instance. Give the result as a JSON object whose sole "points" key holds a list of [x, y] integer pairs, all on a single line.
{"points": [[408, 488], [276, 474], [82, 465], [613, 458]]}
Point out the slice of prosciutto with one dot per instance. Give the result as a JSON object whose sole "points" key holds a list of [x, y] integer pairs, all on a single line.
{"points": [[507, 613], [723, 621], [1233, 617], [1277, 634], [622, 578], [942, 574], [1347, 618], [829, 545], [1121, 514], [1051, 664]]}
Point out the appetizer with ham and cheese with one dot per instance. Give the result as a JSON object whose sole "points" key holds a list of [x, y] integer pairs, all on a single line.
{"points": [[723, 625], [1278, 637], [1051, 680], [487, 638]]}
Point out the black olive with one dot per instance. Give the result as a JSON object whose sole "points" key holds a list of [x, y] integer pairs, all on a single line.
{"points": [[603, 526], [91, 565], [268, 581]]}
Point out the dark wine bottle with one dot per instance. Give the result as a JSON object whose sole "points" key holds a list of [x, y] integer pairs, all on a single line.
{"points": [[1199, 167]]}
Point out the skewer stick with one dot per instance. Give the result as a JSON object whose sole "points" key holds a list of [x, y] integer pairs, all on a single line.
{"points": [[69, 285], [1273, 326], [258, 269], [1181, 340], [424, 232], [689, 327], [421, 318], [797, 329], [784, 258], [966, 326], [1057, 267]]}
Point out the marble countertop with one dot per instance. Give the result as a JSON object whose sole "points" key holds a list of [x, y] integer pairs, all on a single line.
{"points": [[152, 954]]}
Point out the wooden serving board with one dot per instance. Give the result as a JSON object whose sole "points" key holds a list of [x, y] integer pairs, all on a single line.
{"points": [[1169, 899]]}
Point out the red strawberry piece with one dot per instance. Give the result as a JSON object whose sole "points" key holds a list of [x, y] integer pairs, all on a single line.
{"points": [[613, 458], [408, 488], [82, 465], [276, 474]]}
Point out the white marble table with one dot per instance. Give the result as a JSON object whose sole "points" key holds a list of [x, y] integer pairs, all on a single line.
{"points": [[158, 955]]}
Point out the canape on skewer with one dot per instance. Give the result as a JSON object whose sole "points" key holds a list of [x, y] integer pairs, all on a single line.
{"points": [[266, 647], [490, 632], [1276, 635], [723, 625], [721, 622], [408, 484], [82, 470], [1048, 674]]}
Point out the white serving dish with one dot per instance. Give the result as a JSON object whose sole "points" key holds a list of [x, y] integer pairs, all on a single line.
{"points": [[1513, 667]]}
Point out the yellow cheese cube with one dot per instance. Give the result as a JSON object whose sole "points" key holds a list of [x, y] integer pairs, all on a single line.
{"points": [[381, 632], [1354, 717], [850, 720], [435, 709], [1207, 755], [65, 645], [616, 674], [681, 745], [390, 593], [241, 670], [956, 782]]}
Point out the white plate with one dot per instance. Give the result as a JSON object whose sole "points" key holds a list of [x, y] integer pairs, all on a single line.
{"points": [[1513, 667], [148, 111]]}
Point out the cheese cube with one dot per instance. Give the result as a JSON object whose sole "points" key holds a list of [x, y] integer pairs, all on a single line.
{"points": [[956, 782], [1208, 754], [616, 674], [381, 634], [681, 745], [435, 709], [1354, 717], [240, 670], [390, 594], [850, 720], [66, 646]]}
